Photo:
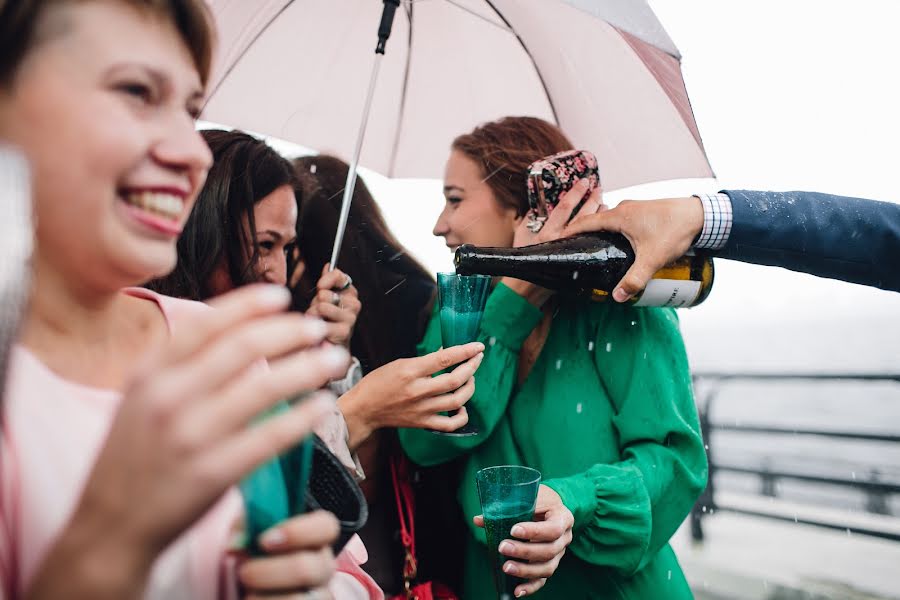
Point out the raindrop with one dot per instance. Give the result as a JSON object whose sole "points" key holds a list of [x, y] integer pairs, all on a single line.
{"points": [[492, 340], [703, 508], [558, 364], [853, 475], [574, 275], [609, 346], [579, 407], [633, 323], [313, 168], [591, 346], [706, 446], [670, 574], [795, 517]]}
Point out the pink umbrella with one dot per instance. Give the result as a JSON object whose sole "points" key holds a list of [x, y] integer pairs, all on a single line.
{"points": [[604, 70]]}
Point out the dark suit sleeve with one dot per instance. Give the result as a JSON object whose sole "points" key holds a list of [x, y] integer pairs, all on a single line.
{"points": [[850, 239]]}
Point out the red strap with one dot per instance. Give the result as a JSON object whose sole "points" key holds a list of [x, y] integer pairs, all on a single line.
{"points": [[403, 494]]}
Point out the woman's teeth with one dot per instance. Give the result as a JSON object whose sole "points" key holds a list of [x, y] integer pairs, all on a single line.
{"points": [[165, 205]]}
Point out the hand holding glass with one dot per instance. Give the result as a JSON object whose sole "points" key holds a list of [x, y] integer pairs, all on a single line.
{"points": [[508, 495], [462, 300]]}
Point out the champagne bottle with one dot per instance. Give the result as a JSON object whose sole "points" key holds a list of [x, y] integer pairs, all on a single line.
{"points": [[591, 264]]}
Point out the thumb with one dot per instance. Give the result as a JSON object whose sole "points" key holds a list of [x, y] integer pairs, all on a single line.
{"points": [[635, 279], [478, 520]]}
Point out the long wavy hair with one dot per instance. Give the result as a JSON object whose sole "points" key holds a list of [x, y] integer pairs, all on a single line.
{"points": [[394, 288], [245, 170]]}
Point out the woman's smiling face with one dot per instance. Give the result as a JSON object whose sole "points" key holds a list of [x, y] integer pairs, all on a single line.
{"points": [[472, 214], [104, 107]]}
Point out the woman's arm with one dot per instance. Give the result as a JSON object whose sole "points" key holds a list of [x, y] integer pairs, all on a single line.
{"points": [[626, 511], [508, 320]]}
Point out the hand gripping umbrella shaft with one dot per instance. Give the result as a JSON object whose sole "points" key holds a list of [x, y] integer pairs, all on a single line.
{"points": [[384, 32]]}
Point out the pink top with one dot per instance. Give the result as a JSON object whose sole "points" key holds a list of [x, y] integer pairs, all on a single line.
{"points": [[52, 431]]}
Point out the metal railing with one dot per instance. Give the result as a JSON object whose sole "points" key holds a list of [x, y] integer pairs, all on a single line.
{"points": [[876, 491]]}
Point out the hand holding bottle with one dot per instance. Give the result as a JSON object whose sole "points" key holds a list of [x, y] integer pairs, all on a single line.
{"points": [[553, 229], [660, 231]]}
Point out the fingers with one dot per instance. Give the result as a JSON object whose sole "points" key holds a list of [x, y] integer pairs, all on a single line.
{"points": [[535, 552], [246, 343], [345, 312], [447, 382], [526, 589], [557, 521], [332, 280], [294, 570], [447, 423], [233, 308], [248, 448], [605, 220], [478, 520], [452, 401], [594, 203], [636, 278], [447, 357], [565, 209], [309, 531]]}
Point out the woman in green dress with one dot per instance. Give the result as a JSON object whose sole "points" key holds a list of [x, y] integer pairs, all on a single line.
{"points": [[597, 396]]}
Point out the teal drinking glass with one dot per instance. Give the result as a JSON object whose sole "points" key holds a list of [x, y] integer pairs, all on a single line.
{"points": [[462, 299], [508, 494]]}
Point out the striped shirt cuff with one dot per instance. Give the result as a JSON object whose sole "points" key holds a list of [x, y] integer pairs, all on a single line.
{"points": [[717, 219]]}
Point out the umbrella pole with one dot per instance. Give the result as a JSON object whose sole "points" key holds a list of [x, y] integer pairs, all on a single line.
{"points": [[350, 185], [384, 32]]}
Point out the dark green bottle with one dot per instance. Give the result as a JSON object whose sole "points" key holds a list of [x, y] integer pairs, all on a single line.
{"points": [[591, 264]]}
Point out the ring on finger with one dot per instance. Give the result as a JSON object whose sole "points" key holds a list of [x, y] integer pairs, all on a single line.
{"points": [[335, 298], [347, 284]]}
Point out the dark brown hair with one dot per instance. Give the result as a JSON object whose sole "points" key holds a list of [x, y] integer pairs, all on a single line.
{"points": [[394, 289], [245, 170], [21, 21], [505, 148]]}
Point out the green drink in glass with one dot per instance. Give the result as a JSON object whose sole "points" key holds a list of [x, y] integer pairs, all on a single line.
{"points": [[462, 299], [508, 494]]}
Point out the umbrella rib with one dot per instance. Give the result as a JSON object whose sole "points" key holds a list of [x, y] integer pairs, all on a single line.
{"points": [[482, 17], [246, 49], [530, 57], [393, 162]]}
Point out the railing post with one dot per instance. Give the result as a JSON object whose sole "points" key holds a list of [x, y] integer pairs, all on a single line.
{"points": [[767, 479], [876, 500], [705, 501]]}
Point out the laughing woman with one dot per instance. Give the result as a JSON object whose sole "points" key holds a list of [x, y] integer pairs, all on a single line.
{"points": [[125, 414], [595, 396]]}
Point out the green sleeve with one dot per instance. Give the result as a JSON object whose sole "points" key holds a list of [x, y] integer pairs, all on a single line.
{"points": [[625, 512], [508, 320]]}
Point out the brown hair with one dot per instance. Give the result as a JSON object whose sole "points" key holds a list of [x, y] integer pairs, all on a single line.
{"points": [[505, 148], [394, 289], [21, 20]]}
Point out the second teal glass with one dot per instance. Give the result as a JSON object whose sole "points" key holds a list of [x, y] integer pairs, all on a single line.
{"points": [[462, 299], [508, 495]]}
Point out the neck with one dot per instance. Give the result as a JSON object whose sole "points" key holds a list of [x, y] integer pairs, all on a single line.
{"points": [[62, 309]]}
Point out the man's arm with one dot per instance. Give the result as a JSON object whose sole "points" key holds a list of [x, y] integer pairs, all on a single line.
{"points": [[850, 239]]}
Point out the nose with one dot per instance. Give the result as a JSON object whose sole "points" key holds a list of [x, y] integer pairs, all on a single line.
{"points": [[275, 268], [181, 147], [441, 229]]}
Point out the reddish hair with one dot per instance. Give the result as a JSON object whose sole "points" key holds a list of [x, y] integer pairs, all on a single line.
{"points": [[504, 149]]}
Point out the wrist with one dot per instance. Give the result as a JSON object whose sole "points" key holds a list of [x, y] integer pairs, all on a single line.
{"points": [[93, 559], [359, 423], [694, 216]]}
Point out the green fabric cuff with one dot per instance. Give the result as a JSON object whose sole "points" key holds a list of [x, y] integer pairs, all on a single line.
{"points": [[579, 494], [509, 318]]}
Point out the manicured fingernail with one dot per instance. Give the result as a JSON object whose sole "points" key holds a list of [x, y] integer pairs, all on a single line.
{"points": [[620, 295], [518, 531], [273, 538], [276, 296], [520, 593], [509, 568], [505, 547]]}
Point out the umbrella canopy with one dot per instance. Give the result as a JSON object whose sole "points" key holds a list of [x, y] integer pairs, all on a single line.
{"points": [[604, 70]]}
